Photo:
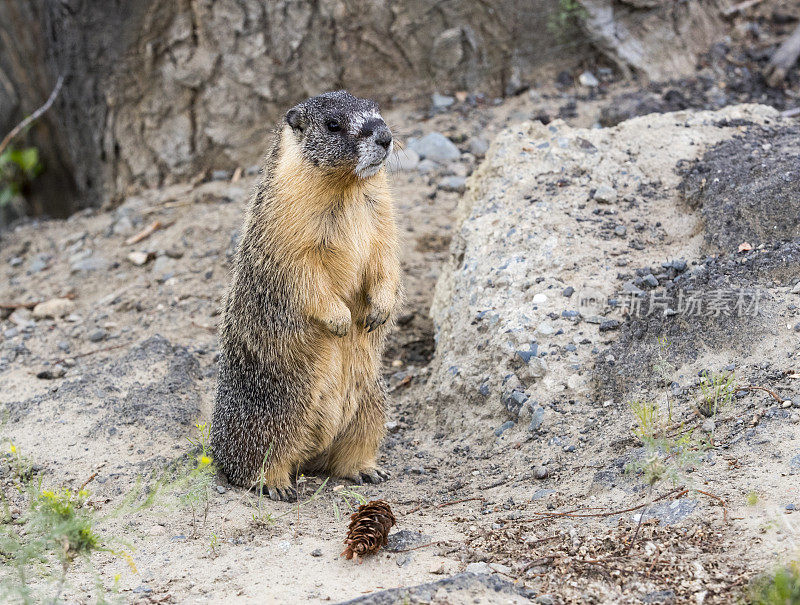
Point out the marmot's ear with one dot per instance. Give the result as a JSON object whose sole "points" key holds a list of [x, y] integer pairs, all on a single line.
{"points": [[296, 118]]}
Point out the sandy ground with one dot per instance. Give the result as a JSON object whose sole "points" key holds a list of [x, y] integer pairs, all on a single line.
{"points": [[140, 368]]}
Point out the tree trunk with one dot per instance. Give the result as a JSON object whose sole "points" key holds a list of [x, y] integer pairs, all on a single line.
{"points": [[156, 92]]}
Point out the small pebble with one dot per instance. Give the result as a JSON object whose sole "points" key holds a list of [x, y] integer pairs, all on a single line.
{"points": [[540, 472], [97, 335]]}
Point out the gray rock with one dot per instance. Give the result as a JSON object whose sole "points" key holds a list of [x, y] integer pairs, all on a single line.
{"points": [[588, 79], [540, 472], [480, 567], [405, 539], [441, 102], [605, 195], [403, 160], [457, 184], [97, 335], [650, 281], [478, 146], [504, 427], [537, 417], [39, 263], [620, 230], [427, 167], [568, 291], [88, 264], [221, 489], [466, 587], [437, 147], [317, 552], [163, 268], [51, 373]]}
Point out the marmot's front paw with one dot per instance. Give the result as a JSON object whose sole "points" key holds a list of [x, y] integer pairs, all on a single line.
{"points": [[285, 494], [376, 318], [339, 325], [371, 475]]}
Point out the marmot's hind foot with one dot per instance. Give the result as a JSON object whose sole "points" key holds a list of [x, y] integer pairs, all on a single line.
{"points": [[284, 494], [372, 475]]}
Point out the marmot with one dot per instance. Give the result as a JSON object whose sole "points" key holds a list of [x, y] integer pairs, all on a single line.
{"points": [[315, 282]]}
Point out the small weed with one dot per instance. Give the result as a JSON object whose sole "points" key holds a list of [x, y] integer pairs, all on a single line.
{"points": [[779, 588], [647, 414], [752, 498], [565, 21], [350, 497], [213, 546], [717, 391]]}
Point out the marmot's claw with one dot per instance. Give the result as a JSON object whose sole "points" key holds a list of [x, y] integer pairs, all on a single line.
{"points": [[339, 328], [375, 475], [376, 319], [285, 494]]}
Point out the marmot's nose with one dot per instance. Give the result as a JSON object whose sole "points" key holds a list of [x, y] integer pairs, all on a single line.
{"points": [[383, 137]]}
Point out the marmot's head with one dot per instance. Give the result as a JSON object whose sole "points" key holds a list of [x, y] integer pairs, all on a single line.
{"points": [[339, 131]]}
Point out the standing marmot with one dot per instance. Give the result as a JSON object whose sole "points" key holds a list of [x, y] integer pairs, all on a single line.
{"points": [[315, 279]]}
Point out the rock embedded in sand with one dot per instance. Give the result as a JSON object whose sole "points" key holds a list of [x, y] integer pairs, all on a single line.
{"points": [[53, 308]]}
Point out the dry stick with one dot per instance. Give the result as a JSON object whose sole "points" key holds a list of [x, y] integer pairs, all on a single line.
{"points": [[413, 510], [720, 500], [548, 515], [146, 232], [88, 481], [750, 387], [79, 355], [34, 116], [641, 518], [25, 305]]}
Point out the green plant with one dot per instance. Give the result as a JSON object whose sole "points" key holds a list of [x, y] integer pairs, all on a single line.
{"points": [[566, 19], [349, 495], [196, 484], [717, 391], [647, 414], [55, 528], [664, 369], [779, 588], [18, 167], [752, 498]]}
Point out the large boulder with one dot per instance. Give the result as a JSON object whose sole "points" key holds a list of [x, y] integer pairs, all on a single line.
{"points": [[560, 236]]}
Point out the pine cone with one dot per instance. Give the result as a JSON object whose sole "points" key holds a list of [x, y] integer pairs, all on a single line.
{"points": [[369, 529]]}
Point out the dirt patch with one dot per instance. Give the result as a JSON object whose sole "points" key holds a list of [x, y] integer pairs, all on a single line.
{"points": [[727, 306], [748, 188]]}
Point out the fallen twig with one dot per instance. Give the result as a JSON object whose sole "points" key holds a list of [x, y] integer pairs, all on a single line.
{"points": [[443, 504], [146, 232], [87, 353], [25, 305], [750, 387], [418, 547], [718, 499], [548, 515], [34, 116], [88, 481]]}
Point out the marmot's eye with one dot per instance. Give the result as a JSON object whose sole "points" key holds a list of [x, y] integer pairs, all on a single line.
{"points": [[333, 125]]}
